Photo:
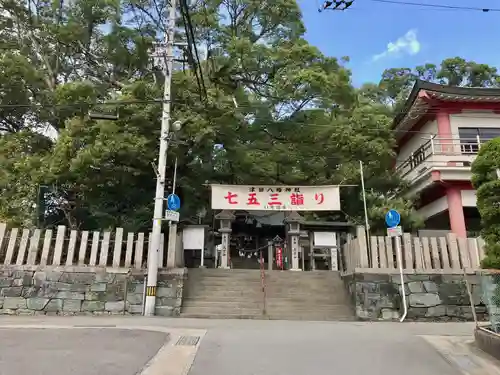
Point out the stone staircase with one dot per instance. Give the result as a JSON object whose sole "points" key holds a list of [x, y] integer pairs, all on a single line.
{"points": [[237, 293]]}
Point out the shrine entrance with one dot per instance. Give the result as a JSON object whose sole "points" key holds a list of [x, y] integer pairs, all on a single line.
{"points": [[262, 224]]}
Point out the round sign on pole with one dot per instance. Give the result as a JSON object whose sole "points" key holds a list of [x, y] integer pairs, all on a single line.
{"points": [[392, 218], [173, 202]]}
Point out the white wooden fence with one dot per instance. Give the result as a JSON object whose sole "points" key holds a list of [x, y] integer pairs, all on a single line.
{"points": [[71, 247], [418, 253]]}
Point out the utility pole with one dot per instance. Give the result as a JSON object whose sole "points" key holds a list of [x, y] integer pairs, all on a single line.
{"points": [[149, 308]]}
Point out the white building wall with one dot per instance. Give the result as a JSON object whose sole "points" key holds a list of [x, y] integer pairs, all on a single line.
{"points": [[469, 198], [441, 204], [474, 119], [433, 208], [417, 140]]}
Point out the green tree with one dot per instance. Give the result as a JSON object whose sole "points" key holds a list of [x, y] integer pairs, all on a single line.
{"points": [[289, 98], [487, 184], [396, 83]]}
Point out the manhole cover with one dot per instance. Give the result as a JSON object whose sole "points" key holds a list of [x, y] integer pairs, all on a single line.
{"points": [[188, 340]]}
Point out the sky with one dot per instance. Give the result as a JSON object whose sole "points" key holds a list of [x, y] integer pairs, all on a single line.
{"points": [[377, 36]]}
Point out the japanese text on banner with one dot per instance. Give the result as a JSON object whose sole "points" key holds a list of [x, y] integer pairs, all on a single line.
{"points": [[276, 198]]}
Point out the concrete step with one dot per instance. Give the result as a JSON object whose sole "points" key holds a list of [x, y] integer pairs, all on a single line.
{"points": [[223, 305], [306, 290], [221, 310], [225, 283], [311, 317], [222, 272], [227, 294], [223, 294], [283, 307], [204, 315], [306, 301], [302, 275]]}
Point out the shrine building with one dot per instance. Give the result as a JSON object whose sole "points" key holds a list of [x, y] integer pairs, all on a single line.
{"points": [[439, 133]]}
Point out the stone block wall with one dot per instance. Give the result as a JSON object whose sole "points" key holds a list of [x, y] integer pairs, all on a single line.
{"points": [[430, 296], [37, 290]]}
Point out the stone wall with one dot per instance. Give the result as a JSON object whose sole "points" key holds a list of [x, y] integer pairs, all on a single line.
{"points": [[430, 296], [36, 290]]}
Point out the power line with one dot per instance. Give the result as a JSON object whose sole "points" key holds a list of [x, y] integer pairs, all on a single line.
{"points": [[255, 118], [438, 6]]}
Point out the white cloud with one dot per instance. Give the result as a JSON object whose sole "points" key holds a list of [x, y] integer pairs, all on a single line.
{"points": [[406, 44]]}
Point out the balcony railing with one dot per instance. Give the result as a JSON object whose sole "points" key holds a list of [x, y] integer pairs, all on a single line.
{"points": [[441, 151]]}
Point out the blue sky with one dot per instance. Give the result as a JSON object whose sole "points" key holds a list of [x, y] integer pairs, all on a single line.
{"points": [[418, 35]]}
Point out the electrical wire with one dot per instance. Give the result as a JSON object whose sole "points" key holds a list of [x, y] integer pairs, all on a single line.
{"points": [[435, 110], [194, 47], [437, 6]]}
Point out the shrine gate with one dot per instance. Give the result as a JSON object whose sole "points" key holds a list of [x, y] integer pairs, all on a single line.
{"points": [[283, 204]]}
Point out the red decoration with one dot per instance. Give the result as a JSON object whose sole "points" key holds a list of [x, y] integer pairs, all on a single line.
{"points": [[230, 196], [279, 257], [297, 199], [252, 200], [274, 199], [319, 197]]}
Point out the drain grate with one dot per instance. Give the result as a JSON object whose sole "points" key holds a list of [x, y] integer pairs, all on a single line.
{"points": [[94, 326], [188, 340]]}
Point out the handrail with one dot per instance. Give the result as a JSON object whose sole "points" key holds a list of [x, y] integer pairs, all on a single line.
{"points": [[263, 283], [440, 146]]}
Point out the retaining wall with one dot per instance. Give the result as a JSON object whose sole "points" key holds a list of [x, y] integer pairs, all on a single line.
{"points": [[56, 290], [438, 295]]}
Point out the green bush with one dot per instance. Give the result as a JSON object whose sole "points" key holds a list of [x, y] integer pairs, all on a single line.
{"points": [[487, 184]]}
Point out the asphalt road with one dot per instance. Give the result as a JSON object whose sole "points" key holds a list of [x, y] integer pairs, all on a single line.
{"points": [[76, 351], [301, 348], [232, 347]]}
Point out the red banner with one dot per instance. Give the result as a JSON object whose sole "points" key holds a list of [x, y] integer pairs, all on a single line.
{"points": [[279, 257]]}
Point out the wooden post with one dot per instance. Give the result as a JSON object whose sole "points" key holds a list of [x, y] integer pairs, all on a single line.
{"points": [[61, 230], [83, 248], [451, 238], [22, 247], [117, 251], [103, 258], [139, 249], [71, 248], [33, 248], [11, 246], [444, 253], [362, 247], [47, 241], [408, 251], [94, 248], [436, 262], [130, 249]]}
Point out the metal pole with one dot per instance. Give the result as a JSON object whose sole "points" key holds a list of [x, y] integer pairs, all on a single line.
{"points": [[149, 308], [175, 176], [400, 264], [172, 229], [367, 224]]}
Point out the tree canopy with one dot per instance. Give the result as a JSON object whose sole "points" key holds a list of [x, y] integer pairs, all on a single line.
{"points": [[298, 118]]}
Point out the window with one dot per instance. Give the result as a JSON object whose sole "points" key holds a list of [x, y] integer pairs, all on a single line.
{"points": [[471, 137]]}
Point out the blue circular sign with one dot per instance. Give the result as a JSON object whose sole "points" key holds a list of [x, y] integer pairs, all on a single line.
{"points": [[173, 202], [392, 218]]}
